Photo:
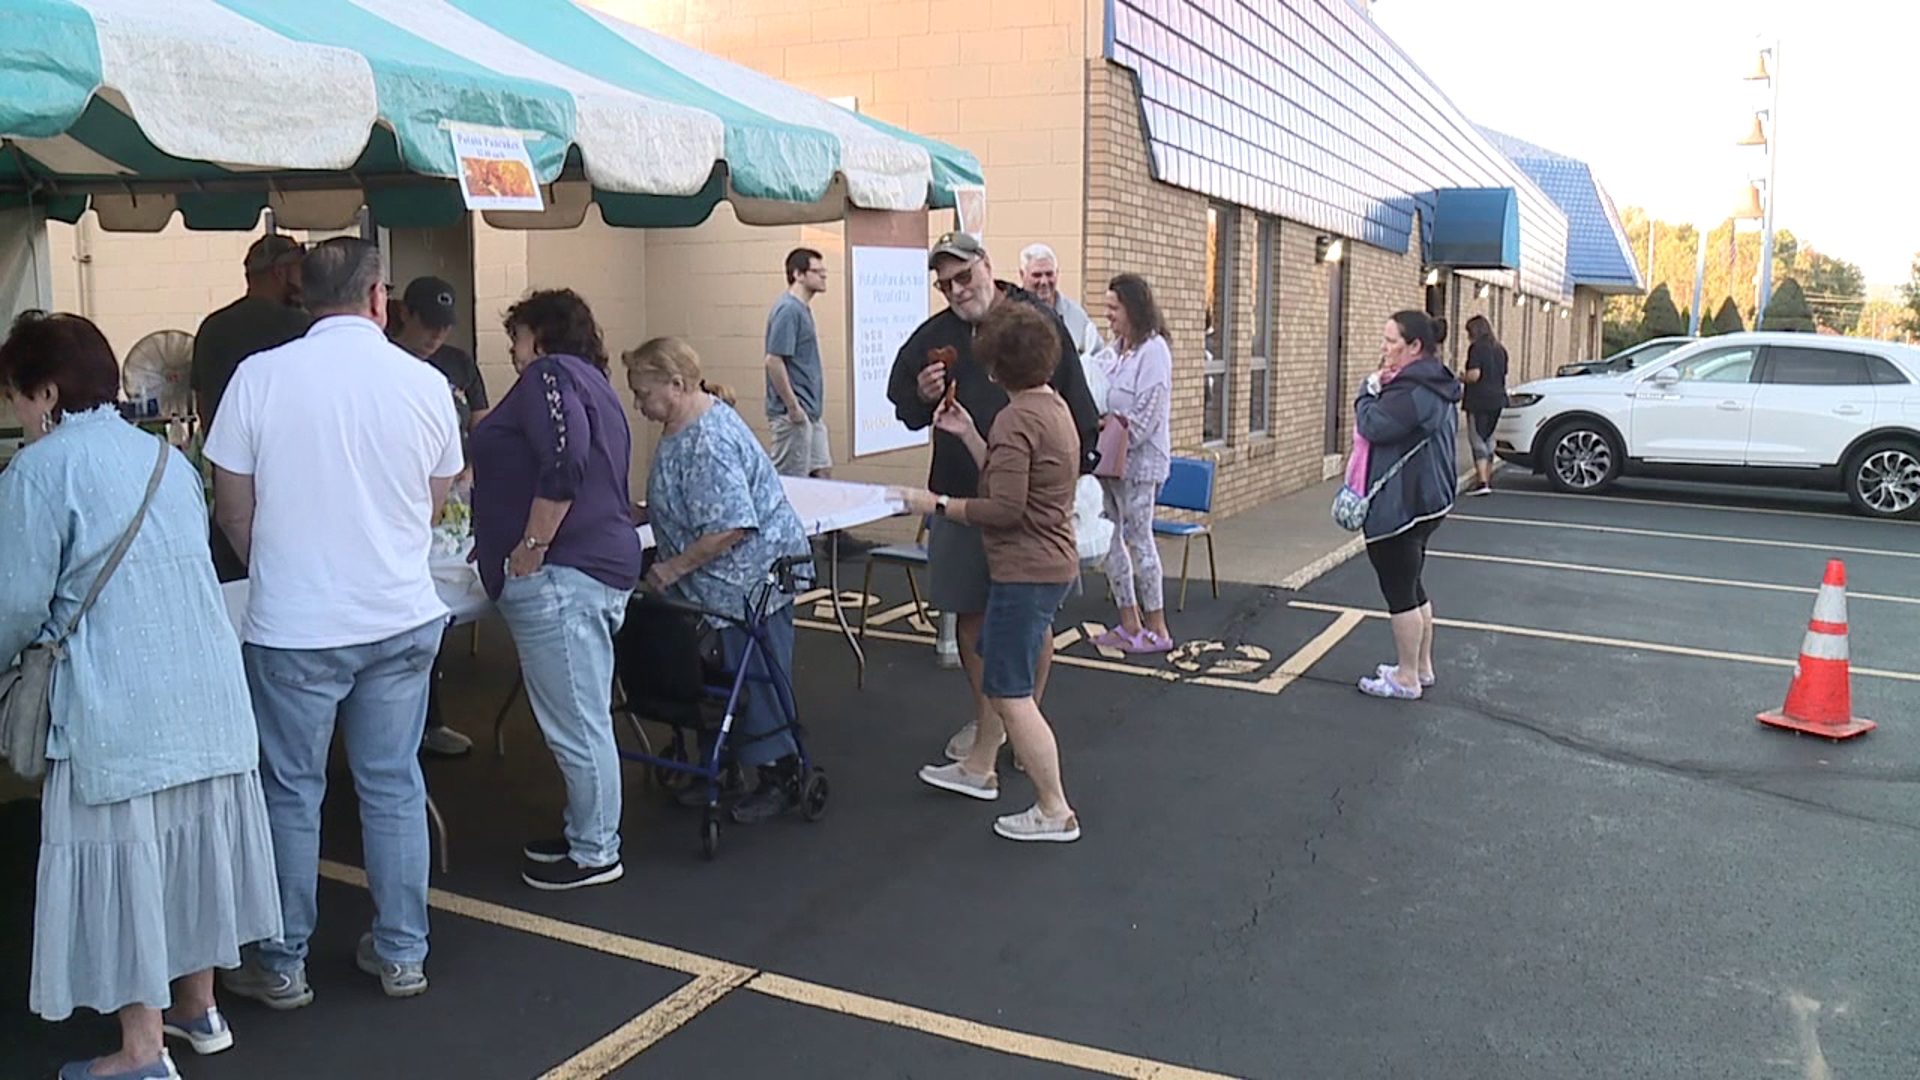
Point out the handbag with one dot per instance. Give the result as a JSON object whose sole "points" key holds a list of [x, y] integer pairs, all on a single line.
{"points": [[26, 686], [1350, 507], [1112, 447]]}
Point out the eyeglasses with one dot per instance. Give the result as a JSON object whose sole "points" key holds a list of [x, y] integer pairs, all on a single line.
{"points": [[961, 280]]}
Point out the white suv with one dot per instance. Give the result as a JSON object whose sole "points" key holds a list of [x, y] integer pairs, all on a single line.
{"points": [[1801, 409]]}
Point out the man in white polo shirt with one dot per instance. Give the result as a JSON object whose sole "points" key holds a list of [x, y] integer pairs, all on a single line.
{"points": [[332, 455]]}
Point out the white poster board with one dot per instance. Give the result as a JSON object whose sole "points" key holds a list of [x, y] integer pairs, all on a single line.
{"points": [[889, 298], [496, 171]]}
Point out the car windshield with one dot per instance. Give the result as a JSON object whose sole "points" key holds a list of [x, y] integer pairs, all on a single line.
{"points": [[1647, 354]]}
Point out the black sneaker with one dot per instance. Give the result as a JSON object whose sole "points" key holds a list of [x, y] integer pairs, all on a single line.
{"points": [[768, 801], [548, 851], [567, 874]]}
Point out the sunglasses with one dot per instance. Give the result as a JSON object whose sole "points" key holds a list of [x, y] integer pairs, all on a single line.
{"points": [[962, 280]]}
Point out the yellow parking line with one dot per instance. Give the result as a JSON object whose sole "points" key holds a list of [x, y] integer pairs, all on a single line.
{"points": [[1071, 661], [1017, 1043], [586, 937], [1654, 575], [714, 979], [1615, 643], [1305, 657], [632, 1038], [1620, 530]]}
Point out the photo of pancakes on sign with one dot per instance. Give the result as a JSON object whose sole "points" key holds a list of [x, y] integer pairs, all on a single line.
{"points": [[495, 178]]}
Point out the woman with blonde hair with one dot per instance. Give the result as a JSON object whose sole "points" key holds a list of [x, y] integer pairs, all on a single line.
{"points": [[720, 519]]}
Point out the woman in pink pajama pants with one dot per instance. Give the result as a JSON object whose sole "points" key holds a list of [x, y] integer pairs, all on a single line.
{"points": [[1139, 370]]}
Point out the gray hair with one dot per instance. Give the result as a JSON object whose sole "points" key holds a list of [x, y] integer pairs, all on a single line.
{"points": [[339, 276], [1036, 252]]}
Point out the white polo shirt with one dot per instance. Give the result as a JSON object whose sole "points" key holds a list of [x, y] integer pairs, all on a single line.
{"points": [[341, 431]]}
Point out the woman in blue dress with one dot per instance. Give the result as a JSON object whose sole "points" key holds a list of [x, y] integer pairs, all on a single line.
{"points": [[156, 861]]}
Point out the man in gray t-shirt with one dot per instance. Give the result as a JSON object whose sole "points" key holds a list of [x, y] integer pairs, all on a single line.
{"points": [[796, 385], [1040, 275]]}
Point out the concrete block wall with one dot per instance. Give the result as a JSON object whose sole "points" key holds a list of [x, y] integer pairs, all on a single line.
{"points": [[132, 284]]}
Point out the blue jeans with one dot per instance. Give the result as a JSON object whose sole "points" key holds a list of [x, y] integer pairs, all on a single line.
{"points": [[377, 695], [1018, 623], [563, 622], [763, 713]]}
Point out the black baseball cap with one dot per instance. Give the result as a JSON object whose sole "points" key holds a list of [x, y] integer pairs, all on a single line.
{"points": [[431, 300]]}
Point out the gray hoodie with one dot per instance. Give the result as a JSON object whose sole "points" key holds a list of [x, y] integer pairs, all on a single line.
{"points": [[1421, 404]]}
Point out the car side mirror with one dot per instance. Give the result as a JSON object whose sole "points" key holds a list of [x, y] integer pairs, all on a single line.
{"points": [[1666, 376]]}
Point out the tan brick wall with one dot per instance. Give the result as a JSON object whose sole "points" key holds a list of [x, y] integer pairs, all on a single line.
{"points": [[1136, 223], [1005, 83], [132, 284]]}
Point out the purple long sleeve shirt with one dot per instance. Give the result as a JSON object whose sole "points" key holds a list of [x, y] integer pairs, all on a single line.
{"points": [[559, 434]]}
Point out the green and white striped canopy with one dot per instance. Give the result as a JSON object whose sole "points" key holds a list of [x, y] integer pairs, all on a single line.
{"points": [[222, 108]]}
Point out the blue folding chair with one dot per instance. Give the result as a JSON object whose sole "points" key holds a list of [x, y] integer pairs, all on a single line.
{"points": [[1189, 486], [906, 556]]}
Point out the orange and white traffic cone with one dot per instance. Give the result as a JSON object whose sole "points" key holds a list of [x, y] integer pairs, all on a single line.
{"points": [[1820, 701]]}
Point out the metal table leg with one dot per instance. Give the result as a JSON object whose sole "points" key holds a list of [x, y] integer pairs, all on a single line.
{"points": [[840, 611], [439, 829]]}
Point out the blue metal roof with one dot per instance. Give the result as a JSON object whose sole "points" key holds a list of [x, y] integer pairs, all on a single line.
{"points": [[1306, 109], [1599, 255]]}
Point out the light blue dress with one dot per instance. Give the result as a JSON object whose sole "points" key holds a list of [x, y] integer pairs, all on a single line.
{"points": [[156, 860]]}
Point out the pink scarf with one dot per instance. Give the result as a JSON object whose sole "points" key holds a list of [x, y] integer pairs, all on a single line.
{"points": [[1362, 449]]}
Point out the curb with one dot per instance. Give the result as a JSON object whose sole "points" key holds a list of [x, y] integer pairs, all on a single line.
{"points": [[1332, 560]]}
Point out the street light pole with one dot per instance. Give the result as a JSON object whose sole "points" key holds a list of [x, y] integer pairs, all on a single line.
{"points": [[1773, 158], [1699, 281]]}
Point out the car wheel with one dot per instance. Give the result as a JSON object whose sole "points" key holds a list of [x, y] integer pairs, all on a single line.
{"points": [[1883, 480], [1581, 458]]}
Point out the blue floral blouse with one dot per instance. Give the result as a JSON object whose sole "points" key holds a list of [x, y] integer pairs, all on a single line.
{"points": [[714, 477]]}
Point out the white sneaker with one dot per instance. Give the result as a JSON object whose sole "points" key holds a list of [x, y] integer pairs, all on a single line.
{"points": [[961, 744], [957, 779], [207, 1035], [1031, 824]]}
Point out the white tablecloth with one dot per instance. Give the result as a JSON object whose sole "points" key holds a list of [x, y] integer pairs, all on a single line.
{"points": [[824, 506]]}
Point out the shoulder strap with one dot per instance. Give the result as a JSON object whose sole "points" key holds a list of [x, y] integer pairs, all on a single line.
{"points": [[126, 541], [1396, 467]]}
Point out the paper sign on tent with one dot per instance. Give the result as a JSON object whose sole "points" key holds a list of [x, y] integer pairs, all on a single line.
{"points": [[496, 171]]}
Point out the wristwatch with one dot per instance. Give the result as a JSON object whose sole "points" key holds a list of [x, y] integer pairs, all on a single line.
{"points": [[534, 543], [940, 504]]}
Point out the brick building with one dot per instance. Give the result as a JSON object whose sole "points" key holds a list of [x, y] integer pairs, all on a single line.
{"points": [[1279, 170]]}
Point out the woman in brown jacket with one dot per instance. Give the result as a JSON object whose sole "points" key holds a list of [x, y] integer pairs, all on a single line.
{"points": [[1029, 464]]}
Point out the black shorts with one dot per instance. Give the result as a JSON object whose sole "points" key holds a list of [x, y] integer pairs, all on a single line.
{"points": [[1398, 562]]}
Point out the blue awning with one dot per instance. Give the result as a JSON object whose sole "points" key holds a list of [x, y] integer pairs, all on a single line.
{"points": [[1475, 229]]}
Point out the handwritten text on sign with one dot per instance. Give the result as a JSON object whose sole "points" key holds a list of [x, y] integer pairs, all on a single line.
{"points": [[889, 303]]}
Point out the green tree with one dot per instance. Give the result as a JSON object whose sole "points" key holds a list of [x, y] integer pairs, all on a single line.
{"points": [[1910, 292], [1658, 317], [1836, 290], [1727, 320], [1882, 320], [1787, 309]]}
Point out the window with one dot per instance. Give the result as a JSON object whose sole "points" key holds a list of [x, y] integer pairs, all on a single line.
{"points": [[1259, 387], [1884, 373], [1799, 366], [1719, 366], [1219, 337]]}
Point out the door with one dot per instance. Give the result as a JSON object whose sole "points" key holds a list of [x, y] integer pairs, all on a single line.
{"points": [[1812, 403], [1696, 411]]}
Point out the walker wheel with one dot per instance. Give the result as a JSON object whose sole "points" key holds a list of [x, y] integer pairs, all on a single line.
{"points": [[710, 837], [813, 801]]}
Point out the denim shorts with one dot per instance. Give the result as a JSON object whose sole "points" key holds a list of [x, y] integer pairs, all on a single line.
{"points": [[1018, 623]]}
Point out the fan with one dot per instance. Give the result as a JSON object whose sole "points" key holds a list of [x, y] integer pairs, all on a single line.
{"points": [[157, 369]]}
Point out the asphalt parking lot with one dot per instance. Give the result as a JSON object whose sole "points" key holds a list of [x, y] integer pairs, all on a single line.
{"points": [[1580, 856]]}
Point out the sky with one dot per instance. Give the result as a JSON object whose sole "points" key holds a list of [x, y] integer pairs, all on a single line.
{"points": [[1650, 94]]}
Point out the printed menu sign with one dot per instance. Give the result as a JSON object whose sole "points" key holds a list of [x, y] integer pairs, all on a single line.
{"points": [[889, 297], [496, 172]]}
